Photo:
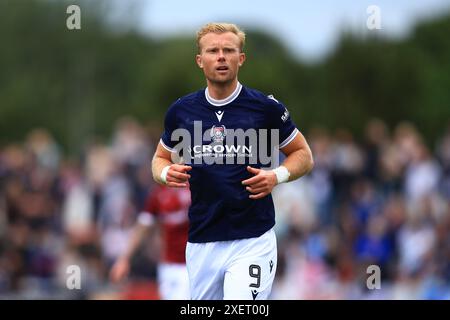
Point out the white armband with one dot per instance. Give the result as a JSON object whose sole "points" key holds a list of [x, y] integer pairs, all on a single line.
{"points": [[164, 174], [282, 174]]}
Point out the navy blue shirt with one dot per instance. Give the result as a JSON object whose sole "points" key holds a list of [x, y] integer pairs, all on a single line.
{"points": [[221, 208]]}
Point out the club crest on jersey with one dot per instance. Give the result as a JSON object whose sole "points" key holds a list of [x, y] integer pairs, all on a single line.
{"points": [[218, 133]]}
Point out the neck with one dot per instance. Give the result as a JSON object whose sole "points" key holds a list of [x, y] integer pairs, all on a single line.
{"points": [[221, 91]]}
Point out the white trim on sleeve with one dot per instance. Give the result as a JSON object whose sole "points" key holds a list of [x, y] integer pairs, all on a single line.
{"points": [[289, 139], [166, 147]]}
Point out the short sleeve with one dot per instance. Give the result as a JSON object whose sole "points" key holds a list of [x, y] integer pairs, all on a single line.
{"points": [[279, 118], [170, 125]]}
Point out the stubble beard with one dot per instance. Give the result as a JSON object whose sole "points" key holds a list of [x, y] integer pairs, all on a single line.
{"points": [[218, 81]]}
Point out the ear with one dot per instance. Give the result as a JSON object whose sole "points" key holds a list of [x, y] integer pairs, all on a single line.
{"points": [[198, 59], [242, 58]]}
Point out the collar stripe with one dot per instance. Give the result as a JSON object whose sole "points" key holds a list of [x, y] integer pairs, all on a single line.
{"points": [[227, 100]]}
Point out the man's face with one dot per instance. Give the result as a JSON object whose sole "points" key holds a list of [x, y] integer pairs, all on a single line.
{"points": [[220, 57]]}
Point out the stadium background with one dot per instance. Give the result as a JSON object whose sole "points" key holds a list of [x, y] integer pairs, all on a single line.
{"points": [[81, 112]]}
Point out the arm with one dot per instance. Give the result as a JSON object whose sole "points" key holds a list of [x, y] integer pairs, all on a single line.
{"points": [[299, 159], [121, 267], [298, 162], [175, 174]]}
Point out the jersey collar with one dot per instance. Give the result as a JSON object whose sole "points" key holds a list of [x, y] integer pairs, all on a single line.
{"points": [[227, 100]]}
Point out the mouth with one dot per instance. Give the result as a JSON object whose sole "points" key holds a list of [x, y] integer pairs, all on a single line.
{"points": [[222, 68]]}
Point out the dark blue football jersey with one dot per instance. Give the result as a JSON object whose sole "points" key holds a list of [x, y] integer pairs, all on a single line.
{"points": [[219, 139]]}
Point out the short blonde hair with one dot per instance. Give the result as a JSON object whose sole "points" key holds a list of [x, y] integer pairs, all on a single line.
{"points": [[215, 27]]}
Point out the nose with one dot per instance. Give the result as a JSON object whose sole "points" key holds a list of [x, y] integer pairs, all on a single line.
{"points": [[220, 56]]}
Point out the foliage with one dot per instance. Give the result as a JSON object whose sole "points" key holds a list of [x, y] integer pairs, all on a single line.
{"points": [[77, 83]]}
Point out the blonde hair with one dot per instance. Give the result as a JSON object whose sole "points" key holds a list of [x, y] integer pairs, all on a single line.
{"points": [[215, 27]]}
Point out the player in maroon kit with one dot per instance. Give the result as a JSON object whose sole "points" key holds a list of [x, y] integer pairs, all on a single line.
{"points": [[167, 207]]}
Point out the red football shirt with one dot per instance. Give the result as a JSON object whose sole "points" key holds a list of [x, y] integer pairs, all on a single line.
{"points": [[170, 207]]}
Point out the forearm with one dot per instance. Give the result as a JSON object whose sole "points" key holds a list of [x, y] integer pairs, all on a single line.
{"points": [[138, 234], [298, 163], [158, 164]]}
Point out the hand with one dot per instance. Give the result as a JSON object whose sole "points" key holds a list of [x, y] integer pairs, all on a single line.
{"points": [[177, 176], [261, 184], [119, 270]]}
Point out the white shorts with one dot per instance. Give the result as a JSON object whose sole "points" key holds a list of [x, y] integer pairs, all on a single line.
{"points": [[232, 270], [173, 281]]}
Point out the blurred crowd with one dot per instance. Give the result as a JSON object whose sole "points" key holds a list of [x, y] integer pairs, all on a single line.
{"points": [[382, 199], [58, 211]]}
